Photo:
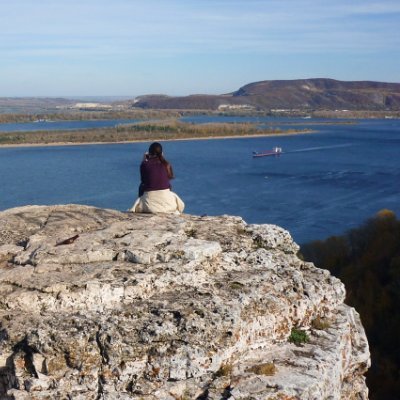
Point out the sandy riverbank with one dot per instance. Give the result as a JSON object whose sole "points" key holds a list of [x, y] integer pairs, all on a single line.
{"points": [[55, 144]]}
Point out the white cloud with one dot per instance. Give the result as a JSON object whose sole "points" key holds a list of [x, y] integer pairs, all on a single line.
{"points": [[122, 33], [191, 26]]}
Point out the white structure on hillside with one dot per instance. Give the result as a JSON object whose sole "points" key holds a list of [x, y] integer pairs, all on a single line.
{"points": [[235, 107], [91, 106]]}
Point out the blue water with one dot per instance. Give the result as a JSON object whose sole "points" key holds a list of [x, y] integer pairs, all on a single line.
{"points": [[61, 125], [323, 184]]}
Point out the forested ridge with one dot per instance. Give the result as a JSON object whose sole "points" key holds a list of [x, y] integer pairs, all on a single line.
{"points": [[367, 260]]}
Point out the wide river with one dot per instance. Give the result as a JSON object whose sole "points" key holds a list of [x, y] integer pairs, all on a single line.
{"points": [[323, 184]]}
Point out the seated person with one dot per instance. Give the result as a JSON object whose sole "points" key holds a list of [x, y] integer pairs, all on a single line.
{"points": [[155, 193]]}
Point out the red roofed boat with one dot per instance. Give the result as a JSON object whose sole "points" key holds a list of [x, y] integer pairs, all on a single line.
{"points": [[276, 151]]}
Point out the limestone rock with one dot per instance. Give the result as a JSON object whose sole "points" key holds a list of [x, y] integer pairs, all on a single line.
{"points": [[99, 304]]}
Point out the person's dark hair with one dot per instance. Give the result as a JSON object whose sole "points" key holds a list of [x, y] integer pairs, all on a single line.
{"points": [[155, 149]]}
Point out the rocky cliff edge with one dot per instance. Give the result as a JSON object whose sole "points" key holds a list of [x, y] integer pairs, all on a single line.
{"points": [[99, 304]]}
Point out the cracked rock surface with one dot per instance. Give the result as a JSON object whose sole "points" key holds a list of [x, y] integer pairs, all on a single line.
{"points": [[99, 304]]}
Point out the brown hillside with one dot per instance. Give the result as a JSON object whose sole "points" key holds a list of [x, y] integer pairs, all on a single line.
{"points": [[301, 94]]}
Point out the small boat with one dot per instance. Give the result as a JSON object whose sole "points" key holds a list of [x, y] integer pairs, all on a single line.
{"points": [[276, 151]]}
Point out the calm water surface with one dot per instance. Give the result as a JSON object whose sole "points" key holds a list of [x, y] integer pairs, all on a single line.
{"points": [[323, 184]]}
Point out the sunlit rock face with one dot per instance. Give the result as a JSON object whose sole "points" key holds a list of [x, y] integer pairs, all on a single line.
{"points": [[99, 304]]}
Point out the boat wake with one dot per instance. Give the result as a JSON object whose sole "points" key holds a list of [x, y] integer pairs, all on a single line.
{"points": [[320, 148]]}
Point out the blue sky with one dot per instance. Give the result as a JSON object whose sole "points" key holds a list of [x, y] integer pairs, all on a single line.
{"points": [[179, 47]]}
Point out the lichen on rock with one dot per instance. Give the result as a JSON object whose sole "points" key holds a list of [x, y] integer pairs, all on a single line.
{"points": [[170, 307]]}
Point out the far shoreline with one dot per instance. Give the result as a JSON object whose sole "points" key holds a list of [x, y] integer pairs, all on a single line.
{"points": [[57, 144]]}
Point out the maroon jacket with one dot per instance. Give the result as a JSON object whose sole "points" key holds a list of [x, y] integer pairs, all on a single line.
{"points": [[154, 175]]}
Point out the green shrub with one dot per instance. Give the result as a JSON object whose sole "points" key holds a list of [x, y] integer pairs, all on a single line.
{"points": [[298, 337]]}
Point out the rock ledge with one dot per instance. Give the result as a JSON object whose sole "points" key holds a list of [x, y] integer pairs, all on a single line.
{"points": [[137, 306]]}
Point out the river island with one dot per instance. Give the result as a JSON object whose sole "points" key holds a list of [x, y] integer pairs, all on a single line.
{"points": [[171, 129]]}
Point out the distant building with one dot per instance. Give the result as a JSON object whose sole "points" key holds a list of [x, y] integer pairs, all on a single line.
{"points": [[235, 107], [91, 106]]}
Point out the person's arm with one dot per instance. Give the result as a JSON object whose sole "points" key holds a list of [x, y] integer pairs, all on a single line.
{"points": [[142, 171], [170, 172]]}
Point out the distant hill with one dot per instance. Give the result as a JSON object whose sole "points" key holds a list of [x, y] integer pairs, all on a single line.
{"points": [[32, 105], [302, 94], [299, 94]]}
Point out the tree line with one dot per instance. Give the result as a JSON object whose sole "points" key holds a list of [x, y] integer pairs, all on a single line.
{"points": [[367, 260]]}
